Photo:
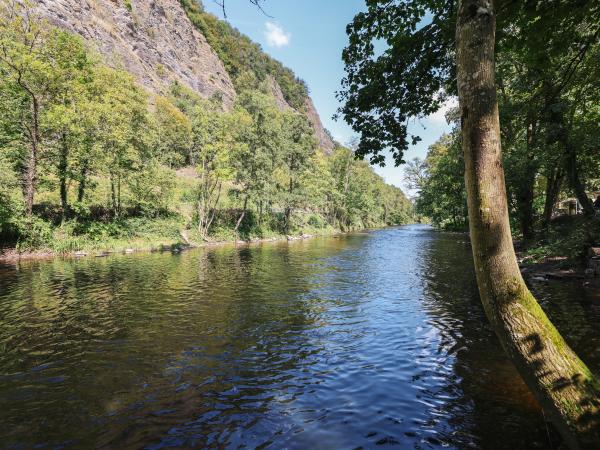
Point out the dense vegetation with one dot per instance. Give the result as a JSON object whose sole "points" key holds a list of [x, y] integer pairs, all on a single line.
{"points": [[88, 159], [244, 60], [526, 75], [549, 112], [547, 78]]}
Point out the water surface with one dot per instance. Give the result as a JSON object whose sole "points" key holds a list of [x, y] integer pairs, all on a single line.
{"points": [[364, 340]]}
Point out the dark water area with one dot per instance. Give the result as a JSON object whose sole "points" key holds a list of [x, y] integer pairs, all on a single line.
{"points": [[369, 340]]}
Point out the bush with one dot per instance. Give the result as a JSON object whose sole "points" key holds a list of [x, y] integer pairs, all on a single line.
{"points": [[152, 189], [34, 233], [316, 221]]}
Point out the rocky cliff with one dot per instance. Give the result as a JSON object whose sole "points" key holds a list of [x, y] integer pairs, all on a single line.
{"points": [[152, 39], [155, 41]]}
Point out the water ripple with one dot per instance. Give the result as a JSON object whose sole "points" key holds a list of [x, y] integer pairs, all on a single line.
{"points": [[366, 340]]}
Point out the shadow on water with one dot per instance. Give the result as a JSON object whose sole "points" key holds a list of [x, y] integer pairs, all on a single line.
{"points": [[372, 339]]}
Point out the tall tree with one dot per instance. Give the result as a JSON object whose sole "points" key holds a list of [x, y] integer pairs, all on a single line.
{"points": [[28, 62], [428, 51], [217, 141], [298, 144], [255, 164], [563, 384]]}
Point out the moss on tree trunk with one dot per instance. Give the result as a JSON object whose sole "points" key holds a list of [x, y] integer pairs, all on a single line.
{"points": [[564, 386]]}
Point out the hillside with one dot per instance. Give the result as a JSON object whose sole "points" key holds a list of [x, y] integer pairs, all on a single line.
{"points": [[162, 41], [163, 135]]}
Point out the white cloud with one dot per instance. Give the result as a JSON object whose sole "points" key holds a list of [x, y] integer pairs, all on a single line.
{"points": [[275, 35], [439, 117]]}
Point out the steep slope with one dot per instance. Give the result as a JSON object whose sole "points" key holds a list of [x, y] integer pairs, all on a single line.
{"points": [[161, 41], [152, 39], [241, 56]]}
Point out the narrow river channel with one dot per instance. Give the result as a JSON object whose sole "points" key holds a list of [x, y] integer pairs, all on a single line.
{"points": [[363, 340]]}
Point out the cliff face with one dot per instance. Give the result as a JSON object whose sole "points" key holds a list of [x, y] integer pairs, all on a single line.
{"points": [[155, 41], [323, 138]]}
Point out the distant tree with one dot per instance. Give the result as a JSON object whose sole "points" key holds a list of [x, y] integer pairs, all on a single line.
{"points": [[297, 147], [173, 134], [430, 46]]}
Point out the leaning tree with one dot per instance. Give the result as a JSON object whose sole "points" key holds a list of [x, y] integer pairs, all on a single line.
{"points": [[403, 59]]}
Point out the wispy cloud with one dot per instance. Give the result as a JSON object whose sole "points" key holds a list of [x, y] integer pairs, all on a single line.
{"points": [[439, 117], [275, 35]]}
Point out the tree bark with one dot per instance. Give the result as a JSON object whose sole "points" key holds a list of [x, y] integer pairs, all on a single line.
{"points": [[113, 195], [288, 209], [574, 178], [553, 183], [82, 183], [30, 178], [564, 386], [239, 222], [525, 206], [62, 175]]}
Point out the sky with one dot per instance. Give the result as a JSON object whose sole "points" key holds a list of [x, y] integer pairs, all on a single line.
{"points": [[308, 36]]}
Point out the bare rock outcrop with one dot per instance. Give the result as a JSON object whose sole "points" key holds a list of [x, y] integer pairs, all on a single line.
{"points": [[155, 41], [152, 39], [277, 94], [323, 138]]}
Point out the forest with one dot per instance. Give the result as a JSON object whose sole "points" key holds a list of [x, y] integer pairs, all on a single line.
{"points": [[549, 115], [90, 160], [526, 136]]}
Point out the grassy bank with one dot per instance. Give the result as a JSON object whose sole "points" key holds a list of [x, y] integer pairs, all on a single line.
{"points": [[567, 240], [148, 234]]}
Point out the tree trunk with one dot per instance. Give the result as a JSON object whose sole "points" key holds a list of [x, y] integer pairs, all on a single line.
{"points": [[525, 191], [33, 130], [213, 210], [553, 183], [30, 176], [525, 205], [62, 175], [82, 183], [288, 209], [239, 222], [31, 166], [113, 195], [118, 195], [564, 386], [574, 179]]}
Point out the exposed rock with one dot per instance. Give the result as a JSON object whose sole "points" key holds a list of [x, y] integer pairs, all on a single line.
{"points": [[155, 41], [277, 94], [324, 140]]}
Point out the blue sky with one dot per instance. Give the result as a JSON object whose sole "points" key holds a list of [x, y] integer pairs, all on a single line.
{"points": [[308, 36]]}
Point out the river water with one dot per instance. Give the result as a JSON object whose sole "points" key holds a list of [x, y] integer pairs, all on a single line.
{"points": [[362, 340]]}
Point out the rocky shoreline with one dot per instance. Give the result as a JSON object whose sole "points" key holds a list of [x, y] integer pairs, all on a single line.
{"points": [[12, 255], [563, 269]]}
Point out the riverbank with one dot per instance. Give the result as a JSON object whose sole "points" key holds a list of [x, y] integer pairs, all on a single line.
{"points": [[144, 341], [146, 246]]}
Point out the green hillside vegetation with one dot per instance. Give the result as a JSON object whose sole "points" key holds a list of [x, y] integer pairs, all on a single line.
{"points": [[90, 160], [244, 60]]}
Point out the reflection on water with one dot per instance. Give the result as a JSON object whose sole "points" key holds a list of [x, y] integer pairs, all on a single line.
{"points": [[357, 341]]}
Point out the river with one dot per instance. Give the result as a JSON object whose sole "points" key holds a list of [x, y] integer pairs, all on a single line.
{"points": [[355, 341]]}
